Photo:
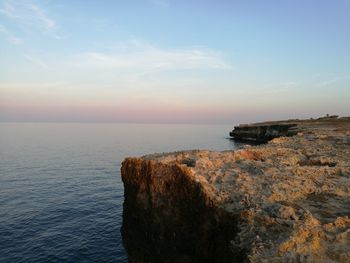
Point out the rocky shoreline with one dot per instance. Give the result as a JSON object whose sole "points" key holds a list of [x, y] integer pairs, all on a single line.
{"points": [[263, 133], [284, 201]]}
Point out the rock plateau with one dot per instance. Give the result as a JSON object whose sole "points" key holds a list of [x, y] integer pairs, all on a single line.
{"points": [[284, 201]]}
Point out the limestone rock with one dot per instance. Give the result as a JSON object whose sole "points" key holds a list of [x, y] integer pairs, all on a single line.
{"points": [[284, 201]]}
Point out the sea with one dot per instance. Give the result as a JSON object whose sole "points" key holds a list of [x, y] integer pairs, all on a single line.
{"points": [[61, 193]]}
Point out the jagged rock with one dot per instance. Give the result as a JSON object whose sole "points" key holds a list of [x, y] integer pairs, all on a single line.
{"points": [[284, 201]]}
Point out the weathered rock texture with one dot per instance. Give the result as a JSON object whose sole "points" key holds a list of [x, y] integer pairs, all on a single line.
{"points": [[285, 201]]}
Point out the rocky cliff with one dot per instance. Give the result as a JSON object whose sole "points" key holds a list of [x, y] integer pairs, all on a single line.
{"points": [[263, 133], [284, 201]]}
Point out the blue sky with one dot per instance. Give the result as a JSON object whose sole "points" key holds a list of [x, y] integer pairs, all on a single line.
{"points": [[173, 61]]}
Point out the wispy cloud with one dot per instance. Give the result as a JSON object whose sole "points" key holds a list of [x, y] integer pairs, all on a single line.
{"points": [[41, 16], [148, 58], [161, 3], [30, 17], [288, 84], [334, 80], [287, 87], [278, 89], [10, 37], [36, 61]]}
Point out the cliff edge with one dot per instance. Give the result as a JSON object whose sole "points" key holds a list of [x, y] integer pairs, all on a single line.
{"points": [[284, 201]]}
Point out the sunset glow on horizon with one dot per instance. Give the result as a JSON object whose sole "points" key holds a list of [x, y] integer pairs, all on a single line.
{"points": [[163, 61]]}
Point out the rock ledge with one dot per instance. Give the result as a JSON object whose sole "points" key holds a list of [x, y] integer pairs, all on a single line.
{"points": [[284, 201]]}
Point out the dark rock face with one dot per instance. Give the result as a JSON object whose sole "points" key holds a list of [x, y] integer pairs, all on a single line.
{"points": [[167, 217], [263, 133]]}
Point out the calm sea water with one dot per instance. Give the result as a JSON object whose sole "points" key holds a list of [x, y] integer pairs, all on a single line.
{"points": [[61, 193]]}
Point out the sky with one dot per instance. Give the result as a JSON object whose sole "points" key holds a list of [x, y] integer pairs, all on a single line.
{"points": [[173, 61]]}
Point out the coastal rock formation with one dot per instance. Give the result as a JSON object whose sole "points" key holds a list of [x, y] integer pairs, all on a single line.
{"points": [[284, 201], [168, 216], [263, 133]]}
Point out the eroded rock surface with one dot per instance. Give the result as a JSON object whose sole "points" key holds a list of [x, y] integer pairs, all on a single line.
{"points": [[285, 201]]}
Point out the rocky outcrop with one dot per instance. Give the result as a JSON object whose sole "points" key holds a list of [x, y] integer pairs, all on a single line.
{"points": [[263, 133], [169, 217], [284, 201]]}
